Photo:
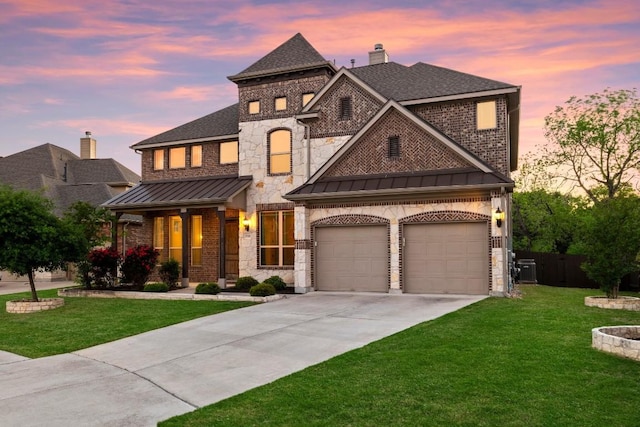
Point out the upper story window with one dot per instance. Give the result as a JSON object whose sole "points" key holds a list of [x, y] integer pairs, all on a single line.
{"points": [[177, 157], [281, 103], [196, 156], [393, 147], [228, 152], [306, 97], [279, 152], [254, 107], [486, 115], [158, 160], [345, 108]]}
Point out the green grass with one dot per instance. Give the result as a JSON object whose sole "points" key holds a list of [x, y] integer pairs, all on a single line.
{"points": [[85, 322], [501, 362]]}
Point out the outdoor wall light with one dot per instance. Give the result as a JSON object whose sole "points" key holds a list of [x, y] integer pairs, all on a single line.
{"points": [[498, 215], [246, 222]]}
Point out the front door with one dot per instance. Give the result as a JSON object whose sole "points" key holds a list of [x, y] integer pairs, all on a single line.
{"points": [[231, 248]]}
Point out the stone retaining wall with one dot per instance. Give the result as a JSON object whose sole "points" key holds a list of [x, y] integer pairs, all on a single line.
{"points": [[619, 340], [20, 307], [620, 303], [75, 292]]}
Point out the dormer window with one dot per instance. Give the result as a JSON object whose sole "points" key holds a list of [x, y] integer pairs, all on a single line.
{"points": [[393, 147], [345, 108], [486, 115], [281, 103], [254, 107]]}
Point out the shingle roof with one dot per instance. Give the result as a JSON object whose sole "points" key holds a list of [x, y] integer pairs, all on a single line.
{"points": [[220, 123], [422, 182], [64, 177], [179, 193], [293, 55], [422, 81]]}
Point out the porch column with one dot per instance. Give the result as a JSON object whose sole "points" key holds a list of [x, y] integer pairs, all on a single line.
{"points": [[184, 216], [114, 231], [222, 258]]}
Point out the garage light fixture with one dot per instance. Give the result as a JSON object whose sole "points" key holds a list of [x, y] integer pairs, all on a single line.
{"points": [[246, 222], [498, 215]]}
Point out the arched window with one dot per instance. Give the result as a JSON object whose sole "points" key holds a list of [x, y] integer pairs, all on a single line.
{"points": [[280, 152]]}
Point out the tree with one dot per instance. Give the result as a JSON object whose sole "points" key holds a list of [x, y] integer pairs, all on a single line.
{"points": [[595, 141], [545, 221], [32, 237], [611, 239]]}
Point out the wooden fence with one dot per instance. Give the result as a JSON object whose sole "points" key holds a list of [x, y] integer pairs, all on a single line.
{"points": [[564, 271]]}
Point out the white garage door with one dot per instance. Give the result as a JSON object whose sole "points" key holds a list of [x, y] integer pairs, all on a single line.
{"points": [[352, 258], [446, 258]]}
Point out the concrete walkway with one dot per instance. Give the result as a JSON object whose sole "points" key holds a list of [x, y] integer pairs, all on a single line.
{"points": [[140, 380]]}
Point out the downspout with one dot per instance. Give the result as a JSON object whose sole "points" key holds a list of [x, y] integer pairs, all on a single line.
{"points": [[503, 240]]}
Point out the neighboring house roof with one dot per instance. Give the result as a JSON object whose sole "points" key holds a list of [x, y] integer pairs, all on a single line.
{"points": [[222, 123], [296, 54], [180, 193], [400, 184], [64, 177]]}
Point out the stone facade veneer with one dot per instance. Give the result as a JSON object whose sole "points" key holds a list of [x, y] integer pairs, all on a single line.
{"points": [[623, 341], [23, 307]]}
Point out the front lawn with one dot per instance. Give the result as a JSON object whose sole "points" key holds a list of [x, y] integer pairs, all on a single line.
{"points": [[85, 322], [500, 362]]}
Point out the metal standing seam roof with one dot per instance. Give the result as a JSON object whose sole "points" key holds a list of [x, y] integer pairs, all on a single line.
{"points": [[179, 193], [401, 183]]}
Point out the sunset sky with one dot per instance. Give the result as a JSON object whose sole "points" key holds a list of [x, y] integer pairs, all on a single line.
{"points": [[127, 70]]}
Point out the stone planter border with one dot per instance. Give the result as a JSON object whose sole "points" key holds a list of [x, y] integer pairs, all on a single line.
{"points": [[620, 303], [77, 292], [619, 340], [21, 307]]}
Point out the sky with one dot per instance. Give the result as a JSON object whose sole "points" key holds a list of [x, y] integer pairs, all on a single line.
{"points": [[127, 70]]}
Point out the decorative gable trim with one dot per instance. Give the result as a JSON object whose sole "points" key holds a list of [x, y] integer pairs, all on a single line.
{"points": [[346, 73], [463, 153]]}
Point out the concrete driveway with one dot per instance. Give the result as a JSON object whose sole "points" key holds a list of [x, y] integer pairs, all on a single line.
{"points": [[140, 380]]}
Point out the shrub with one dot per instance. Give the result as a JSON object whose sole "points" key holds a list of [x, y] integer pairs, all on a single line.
{"points": [[170, 273], [262, 290], [245, 283], [138, 264], [100, 268], [156, 287], [210, 288], [277, 283]]}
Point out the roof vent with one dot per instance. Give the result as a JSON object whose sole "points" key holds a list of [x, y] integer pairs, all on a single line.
{"points": [[378, 55]]}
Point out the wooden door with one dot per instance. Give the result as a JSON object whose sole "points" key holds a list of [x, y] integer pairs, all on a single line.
{"points": [[231, 249]]}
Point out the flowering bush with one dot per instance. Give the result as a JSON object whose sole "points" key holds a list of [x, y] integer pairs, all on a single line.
{"points": [[138, 264], [100, 268]]}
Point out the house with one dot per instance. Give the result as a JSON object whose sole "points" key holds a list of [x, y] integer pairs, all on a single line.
{"points": [[65, 178], [384, 178]]}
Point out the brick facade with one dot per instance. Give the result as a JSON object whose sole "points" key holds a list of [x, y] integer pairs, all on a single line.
{"points": [[211, 166], [458, 121], [418, 150], [364, 107], [267, 91]]}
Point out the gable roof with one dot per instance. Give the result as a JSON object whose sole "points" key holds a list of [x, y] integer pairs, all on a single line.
{"points": [[451, 145], [220, 124], [296, 54]]}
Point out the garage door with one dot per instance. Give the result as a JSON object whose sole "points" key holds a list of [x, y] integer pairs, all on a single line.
{"points": [[353, 258], [446, 258]]}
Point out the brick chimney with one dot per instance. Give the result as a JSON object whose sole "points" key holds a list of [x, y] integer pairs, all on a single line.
{"points": [[87, 146], [378, 55]]}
